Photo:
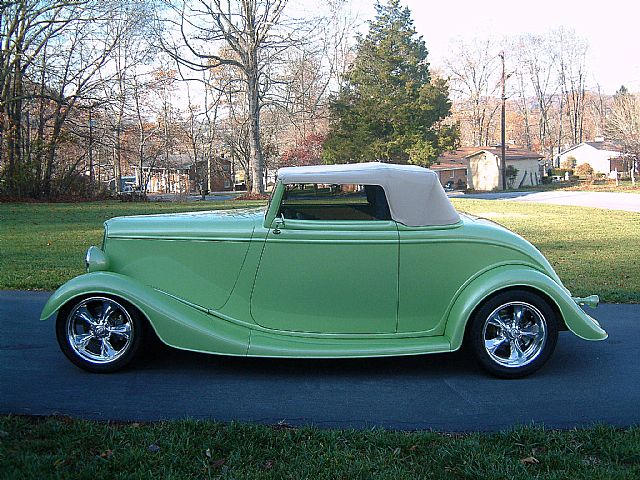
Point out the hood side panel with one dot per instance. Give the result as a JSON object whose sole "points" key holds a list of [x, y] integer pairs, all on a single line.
{"points": [[195, 256]]}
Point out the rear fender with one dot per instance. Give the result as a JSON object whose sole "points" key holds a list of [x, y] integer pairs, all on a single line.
{"points": [[504, 277], [176, 323]]}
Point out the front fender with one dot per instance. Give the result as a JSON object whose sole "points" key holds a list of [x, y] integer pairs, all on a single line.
{"points": [[176, 323], [503, 277]]}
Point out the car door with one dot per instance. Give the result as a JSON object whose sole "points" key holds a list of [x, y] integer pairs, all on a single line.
{"points": [[333, 270]]}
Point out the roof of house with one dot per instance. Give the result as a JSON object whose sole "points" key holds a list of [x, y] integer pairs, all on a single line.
{"points": [[461, 155], [604, 146], [610, 146], [458, 154], [453, 159], [450, 165], [511, 153], [415, 195]]}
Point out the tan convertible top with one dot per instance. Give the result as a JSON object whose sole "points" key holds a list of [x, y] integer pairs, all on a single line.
{"points": [[415, 195]]}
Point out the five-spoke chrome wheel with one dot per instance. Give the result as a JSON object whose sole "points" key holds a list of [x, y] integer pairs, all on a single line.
{"points": [[99, 333], [513, 333]]}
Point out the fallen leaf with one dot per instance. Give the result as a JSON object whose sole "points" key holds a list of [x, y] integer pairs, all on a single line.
{"points": [[412, 448], [218, 463], [592, 461], [529, 461], [284, 425], [107, 454], [153, 448]]}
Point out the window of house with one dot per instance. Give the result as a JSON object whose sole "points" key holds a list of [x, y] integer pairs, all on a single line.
{"points": [[334, 202]]}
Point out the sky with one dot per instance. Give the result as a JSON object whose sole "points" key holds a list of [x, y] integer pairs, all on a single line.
{"points": [[610, 28]]}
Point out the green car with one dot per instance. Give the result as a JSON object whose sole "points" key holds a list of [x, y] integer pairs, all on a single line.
{"points": [[361, 260]]}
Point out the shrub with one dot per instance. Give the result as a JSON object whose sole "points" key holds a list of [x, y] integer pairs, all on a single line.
{"points": [[569, 163], [512, 174], [561, 171], [584, 170]]}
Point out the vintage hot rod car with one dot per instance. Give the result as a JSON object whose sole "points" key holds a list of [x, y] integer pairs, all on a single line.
{"points": [[357, 260]]}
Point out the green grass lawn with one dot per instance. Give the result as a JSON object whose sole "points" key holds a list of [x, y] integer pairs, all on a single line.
{"points": [[593, 250], [64, 448], [625, 186], [42, 245]]}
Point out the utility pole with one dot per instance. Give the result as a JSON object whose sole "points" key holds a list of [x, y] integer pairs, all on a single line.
{"points": [[503, 128]]}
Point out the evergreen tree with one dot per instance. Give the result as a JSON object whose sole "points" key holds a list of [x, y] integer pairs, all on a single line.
{"points": [[389, 108]]}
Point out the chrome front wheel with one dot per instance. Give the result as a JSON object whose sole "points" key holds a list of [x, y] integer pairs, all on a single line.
{"points": [[513, 333], [99, 333]]}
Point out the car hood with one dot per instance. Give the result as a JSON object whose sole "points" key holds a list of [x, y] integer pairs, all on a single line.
{"points": [[216, 224], [488, 229]]}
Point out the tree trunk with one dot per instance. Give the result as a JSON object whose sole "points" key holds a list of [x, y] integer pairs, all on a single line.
{"points": [[256, 157]]}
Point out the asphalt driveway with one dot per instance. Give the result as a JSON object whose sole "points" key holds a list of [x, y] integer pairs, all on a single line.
{"points": [[629, 202], [584, 383]]}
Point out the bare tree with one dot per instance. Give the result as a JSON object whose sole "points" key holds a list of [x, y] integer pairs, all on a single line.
{"points": [[624, 126], [26, 26], [311, 70], [55, 58], [536, 71], [473, 73], [148, 131], [571, 64], [254, 32], [71, 61], [130, 58]]}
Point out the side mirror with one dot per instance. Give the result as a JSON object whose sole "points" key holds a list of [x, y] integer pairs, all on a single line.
{"points": [[278, 223]]}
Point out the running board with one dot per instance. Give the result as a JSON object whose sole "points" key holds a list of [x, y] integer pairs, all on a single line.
{"points": [[263, 344]]}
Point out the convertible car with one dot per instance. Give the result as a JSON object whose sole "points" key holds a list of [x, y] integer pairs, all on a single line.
{"points": [[359, 260]]}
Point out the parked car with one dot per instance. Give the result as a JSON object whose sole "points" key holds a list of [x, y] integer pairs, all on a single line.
{"points": [[360, 260]]}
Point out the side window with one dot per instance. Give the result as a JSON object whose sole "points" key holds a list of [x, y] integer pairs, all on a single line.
{"points": [[311, 201]]}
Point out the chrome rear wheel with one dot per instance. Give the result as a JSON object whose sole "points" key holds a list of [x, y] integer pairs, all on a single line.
{"points": [[513, 333]]}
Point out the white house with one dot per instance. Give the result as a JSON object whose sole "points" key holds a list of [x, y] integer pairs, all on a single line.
{"points": [[599, 154], [484, 171]]}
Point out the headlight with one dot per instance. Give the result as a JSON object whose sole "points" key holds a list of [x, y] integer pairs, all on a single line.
{"points": [[95, 260]]}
